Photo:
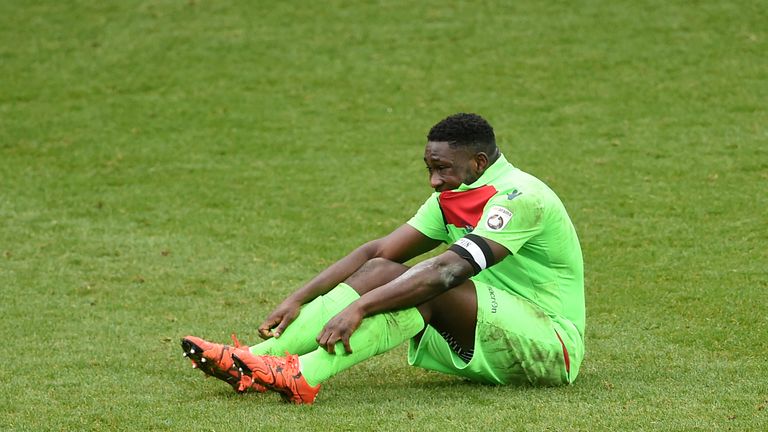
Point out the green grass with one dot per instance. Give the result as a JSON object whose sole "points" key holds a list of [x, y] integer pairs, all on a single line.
{"points": [[176, 167]]}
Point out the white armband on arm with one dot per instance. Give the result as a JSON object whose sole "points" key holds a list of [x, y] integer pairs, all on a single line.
{"points": [[475, 250]]}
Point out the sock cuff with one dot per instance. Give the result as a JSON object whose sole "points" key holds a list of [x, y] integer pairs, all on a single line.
{"points": [[343, 294]]}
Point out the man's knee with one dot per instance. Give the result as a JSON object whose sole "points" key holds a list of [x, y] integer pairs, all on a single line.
{"points": [[375, 273], [378, 263]]}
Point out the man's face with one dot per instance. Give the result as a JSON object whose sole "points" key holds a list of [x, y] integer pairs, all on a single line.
{"points": [[449, 167]]}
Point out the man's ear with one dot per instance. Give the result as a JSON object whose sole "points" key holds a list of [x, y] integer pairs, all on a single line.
{"points": [[481, 160]]}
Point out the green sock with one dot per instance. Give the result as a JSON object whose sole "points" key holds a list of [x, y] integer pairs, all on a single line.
{"points": [[299, 336], [377, 334]]}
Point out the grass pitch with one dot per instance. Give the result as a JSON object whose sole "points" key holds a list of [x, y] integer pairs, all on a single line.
{"points": [[176, 167]]}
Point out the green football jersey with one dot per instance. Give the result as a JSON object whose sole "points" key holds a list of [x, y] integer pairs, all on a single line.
{"points": [[521, 213]]}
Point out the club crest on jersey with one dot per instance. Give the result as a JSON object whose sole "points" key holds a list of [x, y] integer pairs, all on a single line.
{"points": [[498, 218]]}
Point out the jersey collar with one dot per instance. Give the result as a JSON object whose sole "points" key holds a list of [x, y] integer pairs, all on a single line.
{"points": [[489, 175]]}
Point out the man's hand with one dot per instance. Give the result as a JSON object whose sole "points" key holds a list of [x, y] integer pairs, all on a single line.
{"points": [[340, 328], [279, 319]]}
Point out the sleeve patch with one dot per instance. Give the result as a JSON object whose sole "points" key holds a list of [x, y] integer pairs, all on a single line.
{"points": [[498, 217]]}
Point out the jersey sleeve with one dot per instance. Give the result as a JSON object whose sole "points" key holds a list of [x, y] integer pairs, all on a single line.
{"points": [[429, 220], [511, 222]]}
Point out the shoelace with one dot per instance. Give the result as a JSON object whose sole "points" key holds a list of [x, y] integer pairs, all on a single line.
{"points": [[289, 363], [235, 341]]}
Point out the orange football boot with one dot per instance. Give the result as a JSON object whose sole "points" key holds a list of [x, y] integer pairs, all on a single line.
{"points": [[280, 374], [216, 360]]}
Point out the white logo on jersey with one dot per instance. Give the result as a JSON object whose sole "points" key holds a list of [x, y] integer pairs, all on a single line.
{"points": [[498, 218]]}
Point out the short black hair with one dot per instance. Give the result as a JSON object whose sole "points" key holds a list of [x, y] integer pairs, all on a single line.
{"points": [[466, 130]]}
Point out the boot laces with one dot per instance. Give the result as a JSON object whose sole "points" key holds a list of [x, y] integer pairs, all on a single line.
{"points": [[235, 341]]}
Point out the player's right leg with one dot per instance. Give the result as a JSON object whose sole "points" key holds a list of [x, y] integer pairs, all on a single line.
{"points": [[298, 378], [300, 336]]}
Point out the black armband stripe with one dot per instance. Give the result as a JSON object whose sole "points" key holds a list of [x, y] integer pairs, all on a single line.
{"points": [[475, 250]]}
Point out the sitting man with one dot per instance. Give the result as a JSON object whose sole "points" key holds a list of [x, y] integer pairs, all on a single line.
{"points": [[504, 304]]}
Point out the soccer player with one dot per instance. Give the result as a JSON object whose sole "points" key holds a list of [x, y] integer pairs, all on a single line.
{"points": [[504, 304]]}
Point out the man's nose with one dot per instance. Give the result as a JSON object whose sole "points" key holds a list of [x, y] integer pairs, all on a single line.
{"points": [[435, 181]]}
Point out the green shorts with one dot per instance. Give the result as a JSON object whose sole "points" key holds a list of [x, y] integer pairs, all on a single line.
{"points": [[516, 342]]}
